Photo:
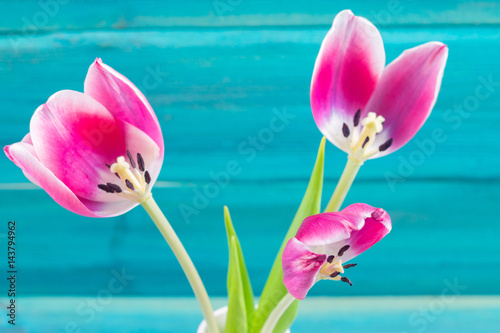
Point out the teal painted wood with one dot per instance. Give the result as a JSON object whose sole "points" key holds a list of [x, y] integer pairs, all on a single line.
{"points": [[34, 16], [220, 87], [219, 84], [450, 314], [438, 228]]}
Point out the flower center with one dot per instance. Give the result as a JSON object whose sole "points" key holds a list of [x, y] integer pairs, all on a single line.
{"points": [[135, 179], [333, 267], [360, 142]]}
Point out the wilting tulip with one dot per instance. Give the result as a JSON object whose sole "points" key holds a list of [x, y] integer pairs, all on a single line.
{"points": [[96, 153], [325, 242], [362, 107]]}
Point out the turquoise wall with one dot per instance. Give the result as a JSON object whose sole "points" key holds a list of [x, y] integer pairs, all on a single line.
{"points": [[216, 73]]}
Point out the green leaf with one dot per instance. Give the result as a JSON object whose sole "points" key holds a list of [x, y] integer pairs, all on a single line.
{"points": [[274, 290], [240, 303], [236, 313]]}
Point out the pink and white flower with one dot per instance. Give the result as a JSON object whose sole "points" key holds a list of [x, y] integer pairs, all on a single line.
{"points": [[326, 242], [362, 107], [96, 153]]}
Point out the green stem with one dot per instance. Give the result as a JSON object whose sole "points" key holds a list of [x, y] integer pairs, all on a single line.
{"points": [[350, 171], [182, 256], [278, 311]]}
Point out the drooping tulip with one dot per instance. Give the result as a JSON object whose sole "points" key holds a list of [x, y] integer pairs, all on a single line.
{"points": [[362, 107], [96, 153], [325, 242]]}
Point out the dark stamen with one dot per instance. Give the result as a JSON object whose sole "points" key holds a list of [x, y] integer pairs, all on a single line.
{"points": [[344, 279], [356, 117], [385, 145], [349, 266], [131, 159], [334, 274], [115, 187], [345, 130], [106, 188], [147, 177], [140, 161], [109, 166], [343, 249], [129, 184], [366, 141], [330, 259]]}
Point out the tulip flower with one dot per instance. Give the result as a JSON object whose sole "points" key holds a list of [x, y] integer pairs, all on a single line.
{"points": [[322, 247], [326, 242], [364, 108], [98, 154]]}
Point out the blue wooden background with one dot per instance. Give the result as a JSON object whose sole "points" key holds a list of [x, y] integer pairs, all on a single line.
{"points": [[216, 73]]}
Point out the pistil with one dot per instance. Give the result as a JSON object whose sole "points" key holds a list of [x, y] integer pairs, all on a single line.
{"points": [[333, 267], [361, 140], [134, 177]]}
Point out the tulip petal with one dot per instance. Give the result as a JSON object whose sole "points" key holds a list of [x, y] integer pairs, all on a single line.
{"points": [[22, 154], [374, 229], [407, 92], [122, 98], [327, 228], [75, 137], [300, 268], [346, 72]]}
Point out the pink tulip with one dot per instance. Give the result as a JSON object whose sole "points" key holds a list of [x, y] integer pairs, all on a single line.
{"points": [[96, 153], [364, 109], [325, 242]]}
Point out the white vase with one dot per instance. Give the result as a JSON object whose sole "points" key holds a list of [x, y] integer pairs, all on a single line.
{"points": [[220, 316]]}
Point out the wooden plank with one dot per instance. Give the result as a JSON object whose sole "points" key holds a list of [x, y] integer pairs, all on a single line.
{"points": [[437, 227], [219, 88], [34, 17], [450, 314]]}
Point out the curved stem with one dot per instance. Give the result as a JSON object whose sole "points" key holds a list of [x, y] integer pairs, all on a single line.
{"points": [[278, 311], [350, 171], [182, 256]]}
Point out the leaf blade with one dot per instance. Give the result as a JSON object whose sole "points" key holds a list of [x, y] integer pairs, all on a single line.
{"points": [[274, 289]]}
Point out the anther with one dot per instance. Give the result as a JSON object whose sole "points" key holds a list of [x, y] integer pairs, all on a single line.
{"points": [[343, 249], [365, 142], [131, 159], [140, 161], [357, 116], [106, 188], [147, 177], [345, 130], [330, 259], [385, 145], [129, 184], [344, 279], [349, 266], [334, 274], [115, 187]]}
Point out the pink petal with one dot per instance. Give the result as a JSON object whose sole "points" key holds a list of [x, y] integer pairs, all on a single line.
{"points": [[300, 267], [407, 92], [327, 228], [122, 98], [375, 228], [21, 154], [349, 64], [75, 137]]}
